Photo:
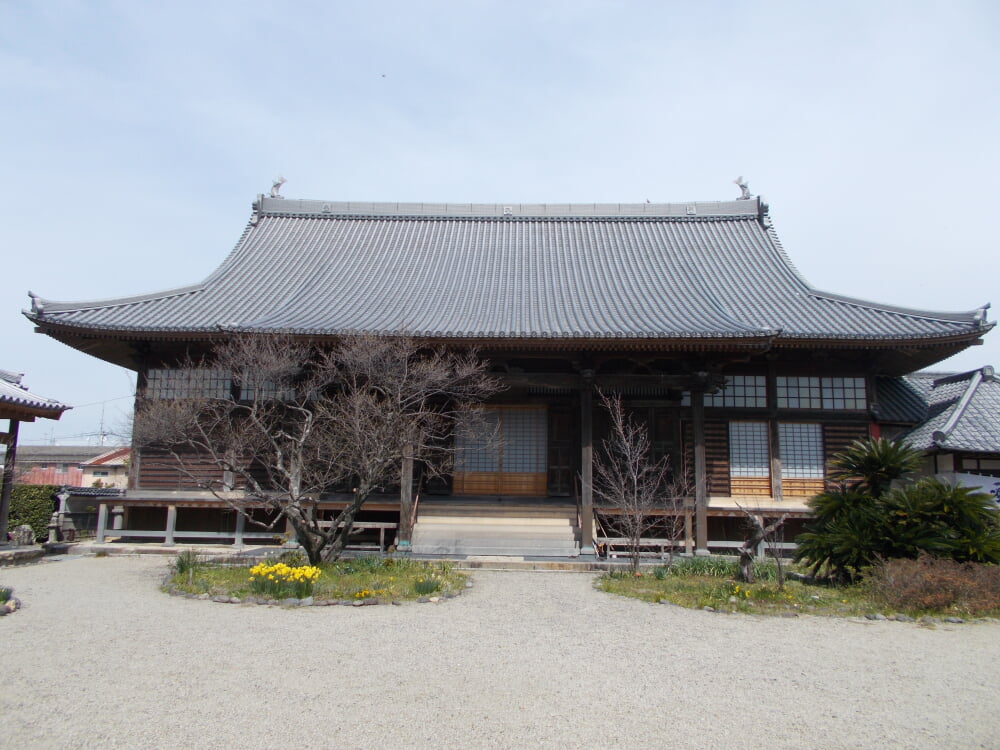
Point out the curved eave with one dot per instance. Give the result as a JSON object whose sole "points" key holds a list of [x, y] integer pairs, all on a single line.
{"points": [[28, 412], [684, 340]]}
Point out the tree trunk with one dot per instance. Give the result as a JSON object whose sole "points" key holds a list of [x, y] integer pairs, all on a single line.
{"points": [[406, 498], [758, 534], [338, 536]]}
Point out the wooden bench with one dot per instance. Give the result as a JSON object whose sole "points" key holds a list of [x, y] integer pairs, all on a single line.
{"points": [[357, 526], [648, 547]]}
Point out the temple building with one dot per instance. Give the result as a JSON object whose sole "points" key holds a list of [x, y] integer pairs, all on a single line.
{"points": [[743, 372]]}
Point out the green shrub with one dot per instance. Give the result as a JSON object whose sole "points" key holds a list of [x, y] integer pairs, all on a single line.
{"points": [[427, 585], [32, 504], [864, 522], [187, 562], [293, 558], [5, 593]]}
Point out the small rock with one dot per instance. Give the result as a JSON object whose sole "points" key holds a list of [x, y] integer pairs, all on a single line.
{"points": [[706, 608], [434, 599], [290, 602], [307, 602], [396, 604], [928, 620], [789, 614], [468, 584], [422, 600], [903, 618], [346, 603], [203, 597], [733, 600], [370, 602], [448, 595], [235, 600], [954, 620], [875, 616], [358, 603]]}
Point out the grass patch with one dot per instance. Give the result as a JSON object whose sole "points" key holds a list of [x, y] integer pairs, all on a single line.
{"points": [[710, 582], [385, 579]]}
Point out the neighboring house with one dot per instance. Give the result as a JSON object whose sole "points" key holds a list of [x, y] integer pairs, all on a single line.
{"points": [[692, 312], [108, 470], [954, 419], [73, 465], [53, 464], [18, 405]]}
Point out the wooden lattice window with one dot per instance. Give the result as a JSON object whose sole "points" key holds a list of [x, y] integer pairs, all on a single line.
{"points": [[502, 452], [807, 392], [167, 383], [749, 459], [740, 391], [802, 465]]}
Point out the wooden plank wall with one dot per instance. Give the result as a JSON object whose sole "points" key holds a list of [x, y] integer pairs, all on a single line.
{"points": [[836, 439], [716, 455]]}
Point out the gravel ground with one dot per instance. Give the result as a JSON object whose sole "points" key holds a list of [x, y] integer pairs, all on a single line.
{"points": [[99, 657]]}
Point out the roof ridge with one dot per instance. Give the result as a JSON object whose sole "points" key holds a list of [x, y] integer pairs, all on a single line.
{"points": [[740, 208], [940, 436]]}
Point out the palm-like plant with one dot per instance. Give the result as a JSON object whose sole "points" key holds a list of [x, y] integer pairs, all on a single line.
{"points": [[874, 464], [866, 520]]}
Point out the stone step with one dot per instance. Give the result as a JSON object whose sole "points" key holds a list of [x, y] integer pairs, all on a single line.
{"points": [[495, 521], [486, 532], [505, 551], [496, 527], [494, 511]]}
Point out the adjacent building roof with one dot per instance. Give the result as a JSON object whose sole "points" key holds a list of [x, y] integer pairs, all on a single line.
{"points": [[962, 412], [60, 454], [113, 457], [17, 403], [681, 273]]}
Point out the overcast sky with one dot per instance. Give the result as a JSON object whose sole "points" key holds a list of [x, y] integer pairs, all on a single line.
{"points": [[135, 135]]}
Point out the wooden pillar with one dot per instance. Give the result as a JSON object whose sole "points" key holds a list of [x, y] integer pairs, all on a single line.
{"points": [[102, 522], [688, 533], [774, 435], [587, 464], [7, 485], [168, 540], [241, 523], [700, 472]]}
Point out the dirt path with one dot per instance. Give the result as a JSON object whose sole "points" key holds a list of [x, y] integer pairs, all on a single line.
{"points": [[100, 658]]}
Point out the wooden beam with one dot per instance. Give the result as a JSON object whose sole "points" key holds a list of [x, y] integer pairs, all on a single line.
{"points": [[700, 473], [586, 466], [7, 483]]}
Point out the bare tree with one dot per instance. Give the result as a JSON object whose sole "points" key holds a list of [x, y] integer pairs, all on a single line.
{"points": [[757, 534], [300, 419], [643, 494]]}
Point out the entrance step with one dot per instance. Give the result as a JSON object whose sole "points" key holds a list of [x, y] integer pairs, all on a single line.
{"points": [[496, 527]]}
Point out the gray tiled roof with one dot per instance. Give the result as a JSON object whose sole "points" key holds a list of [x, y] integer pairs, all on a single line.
{"points": [[15, 395], [903, 399], [447, 271], [963, 412]]}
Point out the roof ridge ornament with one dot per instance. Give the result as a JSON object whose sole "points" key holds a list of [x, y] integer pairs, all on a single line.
{"points": [[744, 189], [276, 186]]}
